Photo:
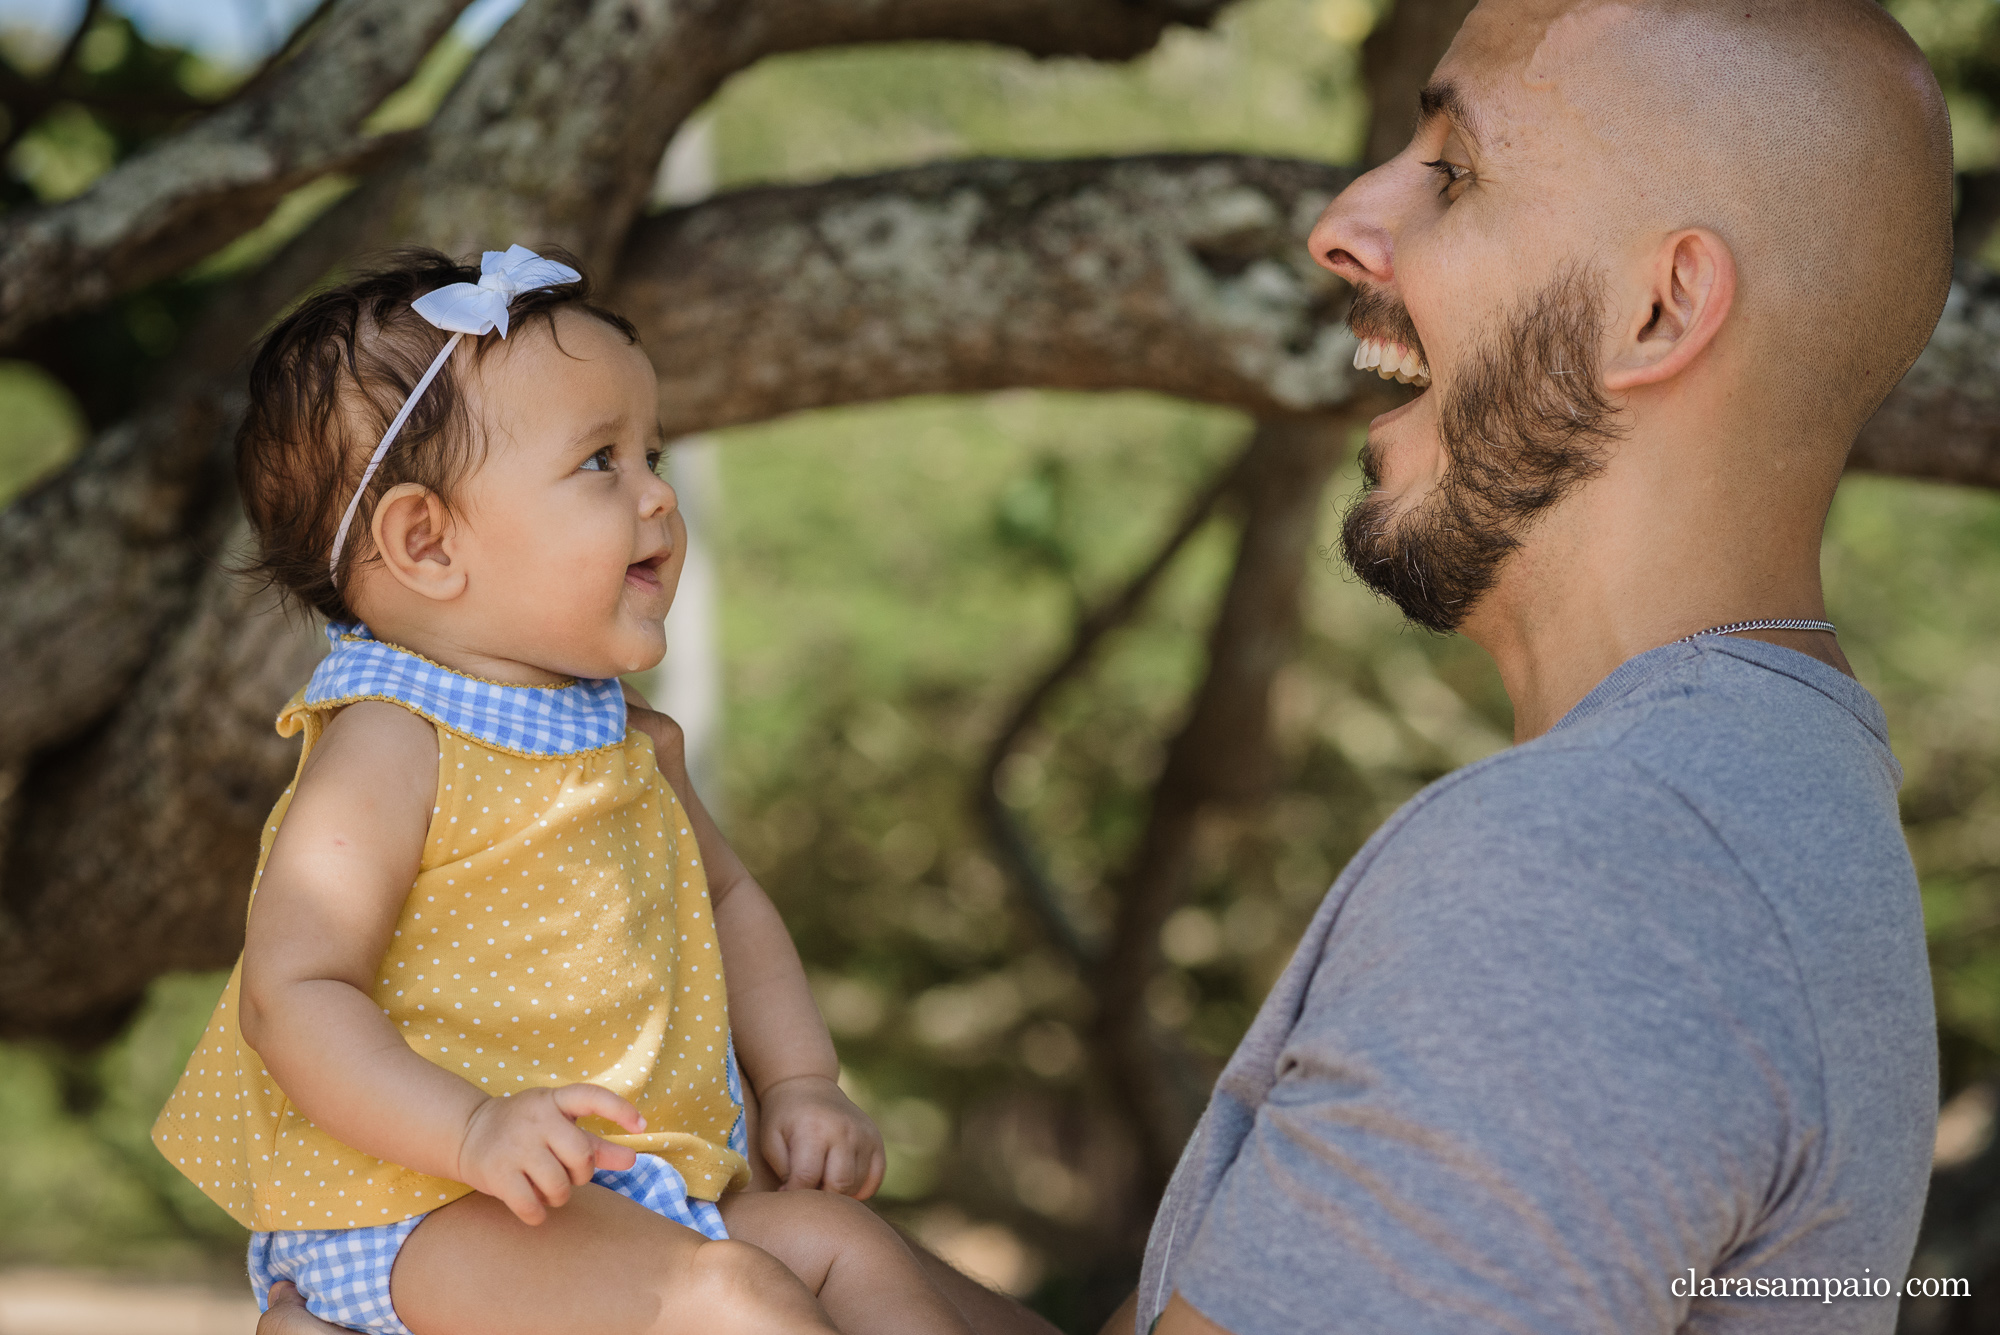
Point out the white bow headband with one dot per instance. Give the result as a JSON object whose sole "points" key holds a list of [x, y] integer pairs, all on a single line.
{"points": [[463, 308]]}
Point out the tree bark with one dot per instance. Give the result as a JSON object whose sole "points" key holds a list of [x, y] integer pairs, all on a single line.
{"points": [[136, 845], [554, 133], [97, 560], [1943, 421], [1182, 274], [172, 204]]}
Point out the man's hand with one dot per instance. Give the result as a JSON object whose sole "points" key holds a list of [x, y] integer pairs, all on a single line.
{"points": [[814, 1136], [528, 1151], [669, 742]]}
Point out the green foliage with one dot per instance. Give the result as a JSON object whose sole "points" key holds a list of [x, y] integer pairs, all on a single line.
{"points": [[81, 1181], [40, 427]]}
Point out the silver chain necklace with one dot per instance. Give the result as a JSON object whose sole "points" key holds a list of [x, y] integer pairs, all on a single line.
{"points": [[1771, 623]]}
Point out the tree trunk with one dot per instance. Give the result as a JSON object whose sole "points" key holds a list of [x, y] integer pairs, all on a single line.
{"points": [[1220, 759]]}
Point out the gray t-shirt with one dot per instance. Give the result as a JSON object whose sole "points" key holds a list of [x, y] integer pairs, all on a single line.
{"points": [[1640, 1004]]}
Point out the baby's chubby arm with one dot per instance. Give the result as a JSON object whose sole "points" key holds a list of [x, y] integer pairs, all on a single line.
{"points": [[332, 890], [811, 1133]]}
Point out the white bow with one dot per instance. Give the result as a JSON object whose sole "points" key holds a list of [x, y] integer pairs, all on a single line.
{"points": [[468, 308], [463, 308]]}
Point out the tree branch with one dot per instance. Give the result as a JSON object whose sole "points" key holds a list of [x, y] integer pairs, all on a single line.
{"points": [[1943, 421], [1221, 757], [185, 197], [28, 100], [1091, 29], [1015, 848], [554, 133], [163, 803], [94, 562], [1185, 275]]}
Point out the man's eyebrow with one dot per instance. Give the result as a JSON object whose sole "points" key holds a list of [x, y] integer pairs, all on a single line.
{"points": [[1444, 99]]}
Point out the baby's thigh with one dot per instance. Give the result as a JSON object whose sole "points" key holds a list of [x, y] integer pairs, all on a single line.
{"points": [[601, 1263], [814, 1231]]}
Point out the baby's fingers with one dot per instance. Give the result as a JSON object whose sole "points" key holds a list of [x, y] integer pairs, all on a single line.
{"points": [[808, 1156], [838, 1173], [777, 1154], [552, 1180], [518, 1194], [878, 1165], [575, 1101], [615, 1157]]}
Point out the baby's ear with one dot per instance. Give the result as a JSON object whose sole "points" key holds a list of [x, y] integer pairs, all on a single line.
{"points": [[412, 530]]}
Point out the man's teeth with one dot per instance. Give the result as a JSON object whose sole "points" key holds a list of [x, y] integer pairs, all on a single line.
{"points": [[1392, 361]]}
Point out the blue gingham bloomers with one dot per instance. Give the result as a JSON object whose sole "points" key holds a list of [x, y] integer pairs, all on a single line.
{"points": [[343, 1273], [530, 720]]}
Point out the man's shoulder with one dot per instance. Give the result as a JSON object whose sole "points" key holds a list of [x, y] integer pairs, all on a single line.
{"points": [[1701, 746], [1553, 798], [1571, 846]]}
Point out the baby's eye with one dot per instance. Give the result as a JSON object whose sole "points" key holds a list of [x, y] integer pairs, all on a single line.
{"points": [[599, 462], [657, 462]]}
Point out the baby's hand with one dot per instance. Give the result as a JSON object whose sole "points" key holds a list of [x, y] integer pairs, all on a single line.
{"points": [[814, 1136], [528, 1150]]}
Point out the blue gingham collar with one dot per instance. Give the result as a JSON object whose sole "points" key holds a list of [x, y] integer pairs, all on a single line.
{"points": [[530, 720]]}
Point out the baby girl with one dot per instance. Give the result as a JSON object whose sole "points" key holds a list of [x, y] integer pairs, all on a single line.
{"points": [[477, 1067]]}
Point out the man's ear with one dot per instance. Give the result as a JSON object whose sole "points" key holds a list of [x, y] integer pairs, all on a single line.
{"points": [[1688, 287], [414, 536]]}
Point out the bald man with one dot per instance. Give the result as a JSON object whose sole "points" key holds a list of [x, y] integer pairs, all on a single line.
{"points": [[1628, 1029]]}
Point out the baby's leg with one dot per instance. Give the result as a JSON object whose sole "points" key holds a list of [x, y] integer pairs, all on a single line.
{"points": [[865, 1275], [601, 1264]]}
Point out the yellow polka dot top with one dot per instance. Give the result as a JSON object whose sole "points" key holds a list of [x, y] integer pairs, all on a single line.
{"points": [[559, 930]]}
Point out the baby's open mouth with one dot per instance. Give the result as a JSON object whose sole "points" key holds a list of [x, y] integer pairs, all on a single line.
{"points": [[1392, 361], [646, 574]]}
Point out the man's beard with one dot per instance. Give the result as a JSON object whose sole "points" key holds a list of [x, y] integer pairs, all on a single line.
{"points": [[1520, 429]]}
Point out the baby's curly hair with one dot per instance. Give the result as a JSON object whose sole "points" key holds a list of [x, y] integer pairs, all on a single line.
{"points": [[325, 384]]}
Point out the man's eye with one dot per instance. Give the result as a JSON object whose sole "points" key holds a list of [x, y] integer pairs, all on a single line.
{"points": [[599, 462], [1451, 173]]}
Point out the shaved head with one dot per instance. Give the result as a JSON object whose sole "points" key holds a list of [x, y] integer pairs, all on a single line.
{"points": [[1649, 266], [1810, 135]]}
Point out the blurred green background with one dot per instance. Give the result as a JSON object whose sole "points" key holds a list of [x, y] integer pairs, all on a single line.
{"points": [[893, 578]]}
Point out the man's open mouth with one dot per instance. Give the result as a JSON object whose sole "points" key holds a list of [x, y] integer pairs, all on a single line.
{"points": [[1392, 361]]}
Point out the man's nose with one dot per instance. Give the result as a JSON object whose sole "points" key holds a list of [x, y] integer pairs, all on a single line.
{"points": [[1355, 237]]}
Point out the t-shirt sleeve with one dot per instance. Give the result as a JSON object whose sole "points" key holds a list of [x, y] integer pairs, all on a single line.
{"points": [[1554, 1056]]}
